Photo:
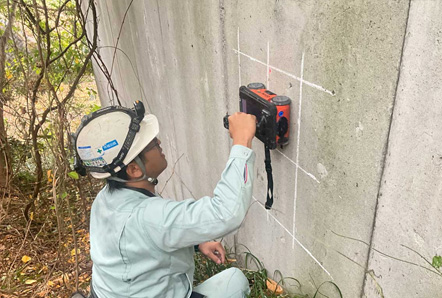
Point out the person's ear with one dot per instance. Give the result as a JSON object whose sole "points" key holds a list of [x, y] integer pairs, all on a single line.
{"points": [[133, 171]]}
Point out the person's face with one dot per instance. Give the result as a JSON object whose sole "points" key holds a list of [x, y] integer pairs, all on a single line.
{"points": [[155, 160]]}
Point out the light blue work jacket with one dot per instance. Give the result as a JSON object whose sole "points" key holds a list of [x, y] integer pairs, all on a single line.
{"points": [[143, 246]]}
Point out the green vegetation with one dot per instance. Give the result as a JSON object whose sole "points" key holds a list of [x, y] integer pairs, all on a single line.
{"points": [[45, 85], [258, 277]]}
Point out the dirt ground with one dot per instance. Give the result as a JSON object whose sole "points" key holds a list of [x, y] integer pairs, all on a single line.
{"points": [[39, 259]]}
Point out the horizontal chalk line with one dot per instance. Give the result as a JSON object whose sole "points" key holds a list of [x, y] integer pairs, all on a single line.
{"points": [[299, 167], [332, 93], [294, 238]]}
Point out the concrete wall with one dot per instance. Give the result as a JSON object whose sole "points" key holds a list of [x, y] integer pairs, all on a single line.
{"points": [[360, 180]]}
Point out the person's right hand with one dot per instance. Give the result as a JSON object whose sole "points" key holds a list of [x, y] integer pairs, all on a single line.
{"points": [[242, 128]]}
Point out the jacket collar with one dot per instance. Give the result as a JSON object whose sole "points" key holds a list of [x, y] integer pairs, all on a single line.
{"points": [[142, 190]]}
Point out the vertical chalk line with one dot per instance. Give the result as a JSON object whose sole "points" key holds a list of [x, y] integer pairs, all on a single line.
{"points": [[268, 62], [304, 171], [297, 148], [301, 80], [239, 61], [294, 238], [332, 93]]}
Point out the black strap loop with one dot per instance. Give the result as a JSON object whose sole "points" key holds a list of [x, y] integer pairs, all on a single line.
{"points": [[268, 164]]}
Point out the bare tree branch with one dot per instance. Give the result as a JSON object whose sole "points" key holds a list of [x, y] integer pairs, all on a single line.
{"points": [[31, 17]]}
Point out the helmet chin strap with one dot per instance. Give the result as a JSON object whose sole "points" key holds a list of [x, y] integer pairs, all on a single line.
{"points": [[139, 162]]}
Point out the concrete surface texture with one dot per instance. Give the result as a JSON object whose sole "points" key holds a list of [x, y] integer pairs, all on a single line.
{"points": [[358, 189]]}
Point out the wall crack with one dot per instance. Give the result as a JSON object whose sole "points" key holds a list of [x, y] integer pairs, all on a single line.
{"points": [[385, 151]]}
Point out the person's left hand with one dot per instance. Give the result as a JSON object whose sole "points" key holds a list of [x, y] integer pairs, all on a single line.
{"points": [[214, 251]]}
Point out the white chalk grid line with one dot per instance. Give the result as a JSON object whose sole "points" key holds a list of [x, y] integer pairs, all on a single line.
{"points": [[296, 163]]}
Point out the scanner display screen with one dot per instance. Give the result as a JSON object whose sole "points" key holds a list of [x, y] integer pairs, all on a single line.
{"points": [[251, 103]]}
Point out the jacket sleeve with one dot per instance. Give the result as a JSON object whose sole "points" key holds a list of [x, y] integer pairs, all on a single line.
{"points": [[172, 225]]}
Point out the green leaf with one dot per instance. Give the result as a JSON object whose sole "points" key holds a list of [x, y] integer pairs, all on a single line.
{"points": [[95, 108], [73, 175], [64, 195], [437, 261]]}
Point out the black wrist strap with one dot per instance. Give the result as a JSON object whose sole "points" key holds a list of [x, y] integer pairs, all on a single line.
{"points": [[268, 164]]}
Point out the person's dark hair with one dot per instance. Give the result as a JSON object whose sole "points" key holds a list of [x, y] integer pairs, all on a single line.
{"points": [[122, 174], [114, 185]]}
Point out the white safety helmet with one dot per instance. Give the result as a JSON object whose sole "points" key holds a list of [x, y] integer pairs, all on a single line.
{"points": [[112, 137]]}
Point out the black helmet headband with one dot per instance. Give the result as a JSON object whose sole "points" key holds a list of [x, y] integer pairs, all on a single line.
{"points": [[136, 114]]}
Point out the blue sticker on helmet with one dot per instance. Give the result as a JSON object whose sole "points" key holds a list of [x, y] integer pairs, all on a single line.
{"points": [[110, 145], [280, 113]]}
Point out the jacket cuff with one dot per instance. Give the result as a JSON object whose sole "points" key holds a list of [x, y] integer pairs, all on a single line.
{"points": [[240, 151]]}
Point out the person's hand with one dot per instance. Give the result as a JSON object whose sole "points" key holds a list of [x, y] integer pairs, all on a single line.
{"points": [[242, 128], [214, 251]]}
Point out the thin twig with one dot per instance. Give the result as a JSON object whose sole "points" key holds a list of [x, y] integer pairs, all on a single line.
{"points": [[422, 257], [134, 71], [54, 197], [75, 243], [173, 172], [28, 226], [119, 34], [387, 255], [184, 184], [31, 17]]}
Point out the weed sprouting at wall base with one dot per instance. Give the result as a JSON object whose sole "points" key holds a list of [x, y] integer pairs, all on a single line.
{"points": [[258, 276]]}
